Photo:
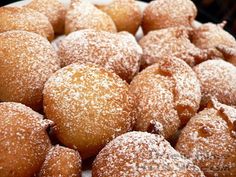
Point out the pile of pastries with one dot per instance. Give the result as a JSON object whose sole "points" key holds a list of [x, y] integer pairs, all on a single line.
{"points": [[78, 89]]}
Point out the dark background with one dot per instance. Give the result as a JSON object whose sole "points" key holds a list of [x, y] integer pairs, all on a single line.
{"points": [[208, 11]]}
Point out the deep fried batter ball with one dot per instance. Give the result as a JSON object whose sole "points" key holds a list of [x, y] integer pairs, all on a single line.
{"points": [[126, 14], [168, 13], [229, 53], [118, 52], [24, 142], [26, 62], [173, 41], [84, 15], [142, 154], [167, 94], [90, 106], [17, 18], [54, 10], [211, 36], [61, 161], [209, 140], [218, 79]]}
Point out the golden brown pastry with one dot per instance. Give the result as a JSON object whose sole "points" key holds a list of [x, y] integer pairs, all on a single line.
{"points": [[218, 79], [209, 140], [117, 52], [84, 15], [126, 14], [54, 10], [61, 161], [167, 94], [24, 142], [90, 107], [214, 37], [168, 13], [173, 41], [26, 62], [17, 18], [142, 154]]}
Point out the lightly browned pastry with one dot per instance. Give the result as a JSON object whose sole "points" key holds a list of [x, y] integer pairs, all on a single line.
{"points": [[84, 15], [17, 18], [214, 37], [54, 10], [90, 107], [218, 79], [118, 52], [126, 14], [26, 62], [167, 94], [142, 154], [24, 142], [61, 161], [209, 140], [168, 13], [171, 42]]}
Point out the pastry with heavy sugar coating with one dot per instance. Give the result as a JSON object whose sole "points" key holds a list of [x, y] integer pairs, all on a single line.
{"points": [[167, 94], [218, 79], [142, 154], [209, 140], [173, 41], [84, 15], [118, 52]]}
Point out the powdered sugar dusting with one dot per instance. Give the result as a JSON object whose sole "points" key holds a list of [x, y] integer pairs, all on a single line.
{"points": [[207, 139], [170, 42], [89, 105], [168, 13], [218, 80], [61, 161], [23, 142], [168, 92], [118, 52], [17, 18], [53, 9], [26, 62], [142, 154], [84, 15]]}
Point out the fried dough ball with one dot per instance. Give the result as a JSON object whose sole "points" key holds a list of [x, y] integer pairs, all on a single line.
{"points": [[126, 14], [118, 52], [142, 154], [17, 18], [167, 94], [61, 161], [84, 15], [24, 142], [168, 42], [229, 53], [209, 140], [168, 13], [26, 62], [218, 79], [211, 36], [90, 106], [54, 10]]}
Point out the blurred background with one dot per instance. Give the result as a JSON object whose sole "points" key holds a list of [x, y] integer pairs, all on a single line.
{"points": [[208, 11]]}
